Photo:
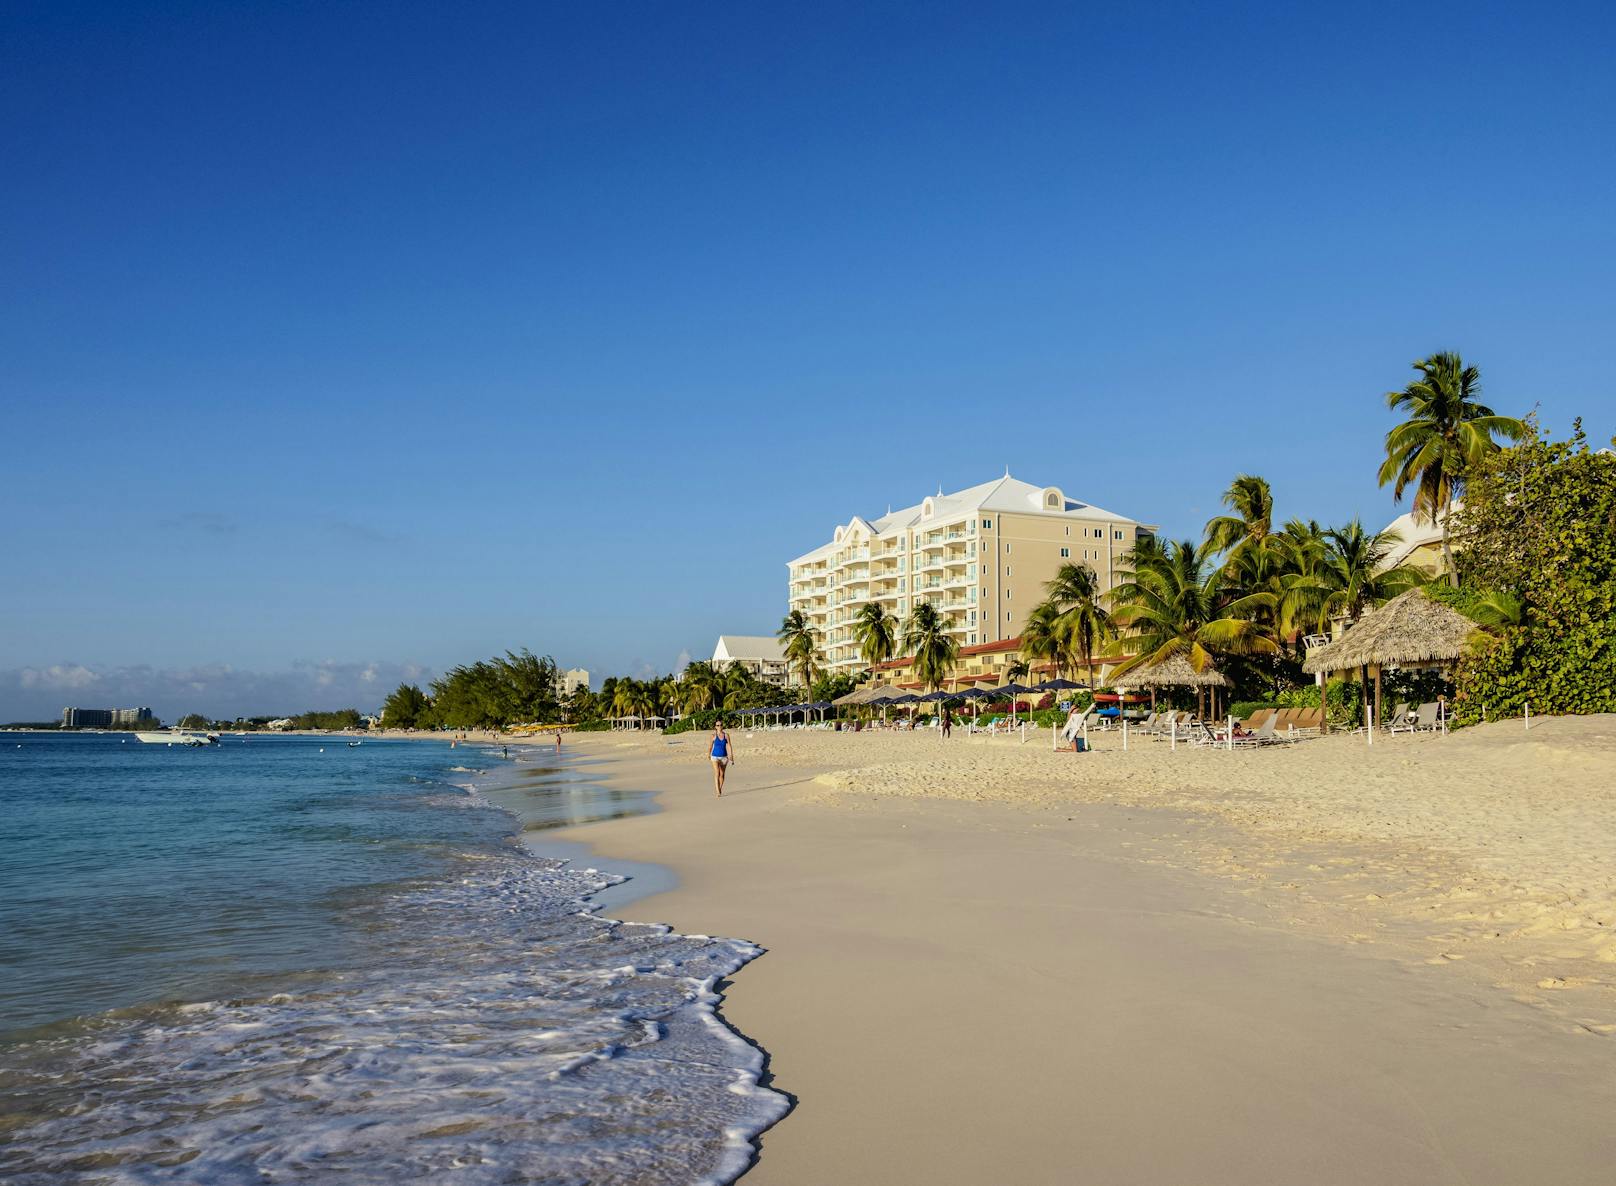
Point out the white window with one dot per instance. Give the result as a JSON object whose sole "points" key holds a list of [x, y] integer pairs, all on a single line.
{"points": [[903, 604], [987, 524], [1006, 549], [901, 585], [973, 593], [973, 640], [1008, 616], [1117, 534], [973, 617], [1006, 570]]}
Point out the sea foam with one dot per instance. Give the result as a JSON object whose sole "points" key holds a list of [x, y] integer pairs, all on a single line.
{"points": [[500, 1032]]}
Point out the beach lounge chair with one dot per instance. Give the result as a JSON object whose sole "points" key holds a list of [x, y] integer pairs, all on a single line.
{"points": [[1256, 720], [1428, 718]]}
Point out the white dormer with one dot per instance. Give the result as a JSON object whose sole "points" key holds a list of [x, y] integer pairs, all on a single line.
{"points": [[1052, 499], [837, 538], [926, 508]]}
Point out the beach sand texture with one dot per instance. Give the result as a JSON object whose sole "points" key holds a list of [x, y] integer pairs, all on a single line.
{"points": [[989, 962]]}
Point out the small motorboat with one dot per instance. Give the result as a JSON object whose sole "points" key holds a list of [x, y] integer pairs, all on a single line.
{"points": [[177, 737], [355, 744]]}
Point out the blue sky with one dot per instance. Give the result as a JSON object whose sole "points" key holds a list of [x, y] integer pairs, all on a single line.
{"points": [[374, 338]]}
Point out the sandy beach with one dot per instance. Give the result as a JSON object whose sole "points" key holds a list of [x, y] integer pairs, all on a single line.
{"points": [[989, 962]]}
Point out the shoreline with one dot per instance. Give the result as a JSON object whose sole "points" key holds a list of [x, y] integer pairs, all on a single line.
{"points": [[953, 990]]}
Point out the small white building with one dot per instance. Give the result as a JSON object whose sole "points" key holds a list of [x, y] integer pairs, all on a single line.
{"points": [[763, 656], [572, 679]]}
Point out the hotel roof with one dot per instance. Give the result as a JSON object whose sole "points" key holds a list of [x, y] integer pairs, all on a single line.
{"points": [[1001, 494], [747, 646]]}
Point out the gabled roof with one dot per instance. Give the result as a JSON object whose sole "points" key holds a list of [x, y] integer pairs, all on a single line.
{"points": [[1414, 531], [747, 646]]}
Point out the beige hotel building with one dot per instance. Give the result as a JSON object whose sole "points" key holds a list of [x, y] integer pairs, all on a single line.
{"points": [[981, 556]]}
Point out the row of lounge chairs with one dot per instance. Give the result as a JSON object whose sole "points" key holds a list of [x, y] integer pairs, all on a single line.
{"points": [[1413, 718]]}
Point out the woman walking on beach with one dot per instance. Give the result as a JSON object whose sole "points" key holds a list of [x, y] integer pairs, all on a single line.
{"points": [[722, 753]]}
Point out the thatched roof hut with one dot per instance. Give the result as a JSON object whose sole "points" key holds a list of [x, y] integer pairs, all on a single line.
{"points": [[1410, 630], [859, 695], [1173, 672]]}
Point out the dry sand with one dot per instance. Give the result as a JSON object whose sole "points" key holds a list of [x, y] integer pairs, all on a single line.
{"points": [[991, 963]]}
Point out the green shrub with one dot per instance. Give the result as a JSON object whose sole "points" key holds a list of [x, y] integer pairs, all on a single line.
{"points": [[1539, 524]]}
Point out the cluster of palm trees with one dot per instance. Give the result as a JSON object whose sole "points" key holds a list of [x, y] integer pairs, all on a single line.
{"points": [[1247, 593], [701, 686]]}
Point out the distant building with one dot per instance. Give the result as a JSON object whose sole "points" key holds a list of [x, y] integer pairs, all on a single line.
{"points": [[573, 679], [763, 656], [1419, 542], [105, 718], [981, 557]]}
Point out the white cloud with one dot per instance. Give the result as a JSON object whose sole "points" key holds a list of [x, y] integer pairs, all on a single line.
{"points": [[64, 676]]}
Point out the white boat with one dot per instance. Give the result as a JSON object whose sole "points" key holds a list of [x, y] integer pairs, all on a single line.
{"points": [[176, 737]]}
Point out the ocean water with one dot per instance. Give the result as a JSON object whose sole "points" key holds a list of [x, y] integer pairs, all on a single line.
{"points": [[283, 959]]}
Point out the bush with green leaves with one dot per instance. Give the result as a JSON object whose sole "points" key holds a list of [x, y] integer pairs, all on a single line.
{"points": [[1538, 540]]}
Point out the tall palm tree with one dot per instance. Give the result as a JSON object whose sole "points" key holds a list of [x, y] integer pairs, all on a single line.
{"points": [[801, 647], [1447, 431], [1170, 603], [1083, 623], [926, 637], [1252, 502], [877, 634]]}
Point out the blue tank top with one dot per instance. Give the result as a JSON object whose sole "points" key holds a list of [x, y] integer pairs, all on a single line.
{"points": [[720, 747]]}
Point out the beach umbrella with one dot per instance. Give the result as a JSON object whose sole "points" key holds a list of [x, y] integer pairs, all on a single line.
{"points": [[1409, 631], [1056, 685], [1013, 690]]}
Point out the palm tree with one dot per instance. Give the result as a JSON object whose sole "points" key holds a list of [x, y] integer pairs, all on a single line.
{"points": [[1017, 669], [1041, 639], [1352, 579], [1447, 432], [1083, 624], [877, 634], [1170, 603], [740, 687], [802, 647], [926, 637], [699, 687], [1252, 502]]}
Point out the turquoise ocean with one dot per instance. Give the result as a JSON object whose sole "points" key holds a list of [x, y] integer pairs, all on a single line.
{"points": [[283, 959]]}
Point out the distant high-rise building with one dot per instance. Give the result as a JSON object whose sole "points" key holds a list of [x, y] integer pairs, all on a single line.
{"points": [[573, 679], [105, 718]]}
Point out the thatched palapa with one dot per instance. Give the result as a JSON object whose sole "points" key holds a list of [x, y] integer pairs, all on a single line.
{"points": [[1173, 672], [1410, 630]]}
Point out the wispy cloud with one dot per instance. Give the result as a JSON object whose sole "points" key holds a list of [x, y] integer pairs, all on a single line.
{"points": [[216, 690]]}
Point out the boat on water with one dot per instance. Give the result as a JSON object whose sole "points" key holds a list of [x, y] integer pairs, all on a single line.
{"points": [[352, 744], [176, 737]]}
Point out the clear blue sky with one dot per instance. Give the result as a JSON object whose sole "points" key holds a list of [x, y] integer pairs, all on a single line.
{"points": [[348, 337]]}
